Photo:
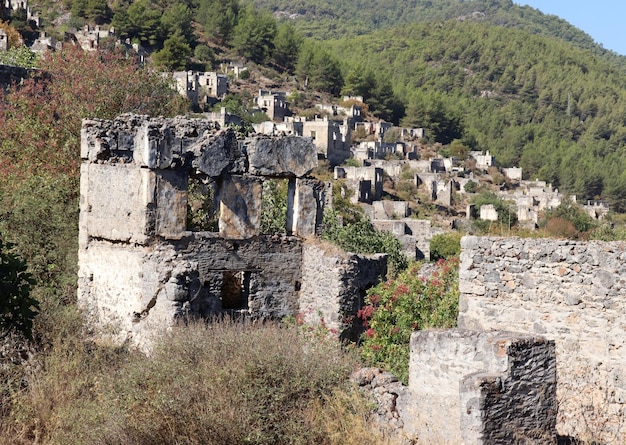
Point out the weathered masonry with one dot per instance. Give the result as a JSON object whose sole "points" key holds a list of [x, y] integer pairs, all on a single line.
{"points": [[481, 387], [571, 293], [143, 184]]}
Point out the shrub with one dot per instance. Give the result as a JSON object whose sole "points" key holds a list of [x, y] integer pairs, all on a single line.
{"points": [[470, 187], [506, 216], [405, 304], [361, 237], [568, 210], [224, 383], [17, 308], [561, 228], [445, 245]]}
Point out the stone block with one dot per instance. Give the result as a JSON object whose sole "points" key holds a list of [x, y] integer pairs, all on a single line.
{"points": [[240, 201], [306, 209], [114, 202], [171, 203], [154, 145], [289, 156], [214, 153], [483, 387]]}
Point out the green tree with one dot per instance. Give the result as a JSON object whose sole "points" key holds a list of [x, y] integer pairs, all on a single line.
{"points": [[205, 55], [253, 37], [219, 17], [175, 53], [145, 22], [320, 69], [97, 11], [287, 45], [177, 19], [17, 307], [359, 81]]}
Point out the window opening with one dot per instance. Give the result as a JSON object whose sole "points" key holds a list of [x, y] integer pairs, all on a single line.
{"points": [[235, 290]]}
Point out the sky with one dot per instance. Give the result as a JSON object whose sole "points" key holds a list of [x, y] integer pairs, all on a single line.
{"points": [[603, 20]]}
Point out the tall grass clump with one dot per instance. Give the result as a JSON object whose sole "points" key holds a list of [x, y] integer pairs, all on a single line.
{"points": [[218, 383]]}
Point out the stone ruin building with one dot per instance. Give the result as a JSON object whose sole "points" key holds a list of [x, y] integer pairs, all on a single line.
{"points": [[142, 263], [538, 351]]}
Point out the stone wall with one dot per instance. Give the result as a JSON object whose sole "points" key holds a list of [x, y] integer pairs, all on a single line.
{"points": [[482, 388], [334, 284], [570, 292], [140, 266]]}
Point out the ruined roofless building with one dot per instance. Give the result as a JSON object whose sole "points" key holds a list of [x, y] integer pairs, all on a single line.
{"points": [[140, 265]]}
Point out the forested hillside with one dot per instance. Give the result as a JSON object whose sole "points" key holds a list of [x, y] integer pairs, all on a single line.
{"points": [[534, 90], [323, 19], [556, 110]]}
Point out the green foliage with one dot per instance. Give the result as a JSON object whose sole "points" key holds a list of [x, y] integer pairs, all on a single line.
{"points": [[320, 68], [96, 11], [253, 36], [201, 206], [274, 207], [506, 215], [17, 307], [361, 237], [287, 45], [177, 19], [445, 245], [408, 303], [571, 212], [353, 162], [204, 54], [175, 54], [20, 56], [470, 187], [219, 17]]}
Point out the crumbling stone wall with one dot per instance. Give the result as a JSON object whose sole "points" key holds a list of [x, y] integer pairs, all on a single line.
{"points": [[334, 284], [481, 388], [140, 266], [568, 291]]}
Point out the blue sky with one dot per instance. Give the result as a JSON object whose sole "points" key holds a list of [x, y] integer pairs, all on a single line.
{"points": [[603, 20]]}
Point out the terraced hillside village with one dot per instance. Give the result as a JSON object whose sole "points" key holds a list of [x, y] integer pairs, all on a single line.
{"points": [[325, 183]]}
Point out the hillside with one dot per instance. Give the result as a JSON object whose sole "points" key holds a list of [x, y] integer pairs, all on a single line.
{"points": [[327, 19], [529, 87], [544, 104]]}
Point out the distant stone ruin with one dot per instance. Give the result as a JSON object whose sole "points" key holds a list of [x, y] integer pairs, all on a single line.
{"points": [[141, 261]]}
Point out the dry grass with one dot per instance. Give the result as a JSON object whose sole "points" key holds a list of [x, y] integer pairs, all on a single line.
{"points": [[224, 383]]}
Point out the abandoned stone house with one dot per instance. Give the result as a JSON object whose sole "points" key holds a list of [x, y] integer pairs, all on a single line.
{"points": [[15, 5], [201, 88], [140, 263], [331, 138], [274, 104]]}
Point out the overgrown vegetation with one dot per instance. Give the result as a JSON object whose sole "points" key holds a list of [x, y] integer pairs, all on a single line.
{"points": [[398, 307], [445, 245], [214, 384], [39, 160], [17, 307]]}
